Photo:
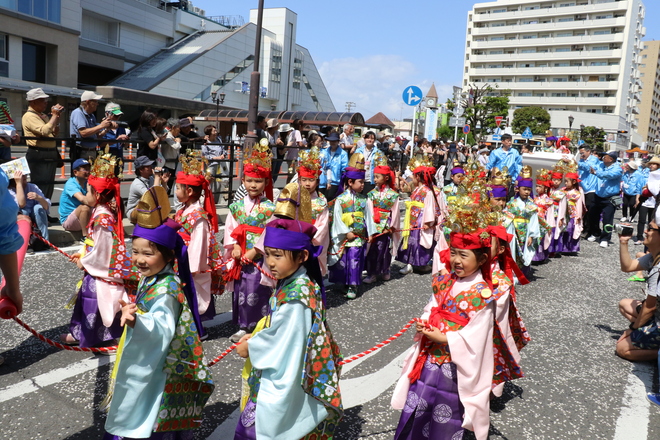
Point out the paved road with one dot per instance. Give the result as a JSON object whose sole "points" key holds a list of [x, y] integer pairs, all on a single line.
{"points": [[575, 387]]}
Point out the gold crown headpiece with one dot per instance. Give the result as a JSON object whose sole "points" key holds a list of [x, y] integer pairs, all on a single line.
{"points": [[565, 167], [193, 163], [105, 166], [295, 203], [526, 172], [310, 159], [381, 161], [357, 161], [419, 161], [152, 209], [500, 177], [543, 175], [260, 155], [472, 210]]}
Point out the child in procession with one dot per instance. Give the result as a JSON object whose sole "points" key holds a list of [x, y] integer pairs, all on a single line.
{"points": [[575, 199]]}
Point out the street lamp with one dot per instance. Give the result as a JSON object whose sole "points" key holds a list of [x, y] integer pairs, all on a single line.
{"points": [[218, 99], [570, 122]]}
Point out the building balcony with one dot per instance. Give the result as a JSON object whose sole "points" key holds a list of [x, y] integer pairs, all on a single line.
{"points": [[551, 41], [571, 70], [545, 12], [548, 56], [561, 101], [574, 86], [559, 26]]}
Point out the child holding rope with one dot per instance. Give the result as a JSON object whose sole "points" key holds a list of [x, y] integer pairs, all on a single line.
{"points": [[199, 226], [383, 201], [448, 376], [245, 222], [160, 381], [293, 359], [352, 223], [104, 259]]}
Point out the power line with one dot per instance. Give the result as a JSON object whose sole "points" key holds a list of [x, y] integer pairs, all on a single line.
{"points": [[349, 106]]}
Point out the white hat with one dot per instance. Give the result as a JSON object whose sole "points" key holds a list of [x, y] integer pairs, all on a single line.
{"points": [[35, 94], [285, 128], [272, 123], [90, 96], [113, 108], [632, 164]]}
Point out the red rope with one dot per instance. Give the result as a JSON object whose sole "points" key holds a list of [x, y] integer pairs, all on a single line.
{"points": [[52, 245], [63, 346], [224, 353]]}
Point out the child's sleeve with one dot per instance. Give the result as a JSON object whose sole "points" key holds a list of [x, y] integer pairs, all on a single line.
{"points": [[198, 247]]}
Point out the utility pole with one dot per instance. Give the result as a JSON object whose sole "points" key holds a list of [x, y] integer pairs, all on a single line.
{"points": [[255, 80], [349, 106]]}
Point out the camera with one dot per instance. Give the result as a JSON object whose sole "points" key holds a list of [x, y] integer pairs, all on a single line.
{"points": [[624, 230]]}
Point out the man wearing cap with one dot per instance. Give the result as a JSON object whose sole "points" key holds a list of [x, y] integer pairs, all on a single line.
{"points": [[42, 156], [145, 178], [383, 142], [113, 113], [334, 160], [75, 207], [588, 182], [633, 181], [609, 175], [276, 145], [187, 135], [83, 126]]}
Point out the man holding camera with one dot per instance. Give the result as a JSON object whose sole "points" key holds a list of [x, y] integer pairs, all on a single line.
{"points": [[118, 132], [83, 125], [42, 156]]}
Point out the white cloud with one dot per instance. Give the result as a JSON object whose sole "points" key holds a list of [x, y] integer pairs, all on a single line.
{"points": [[375, 83]]}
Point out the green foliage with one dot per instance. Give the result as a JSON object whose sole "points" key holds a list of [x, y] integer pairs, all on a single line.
{"points": [[445, 132], [594, 137], [481, 109], [536, 118]]}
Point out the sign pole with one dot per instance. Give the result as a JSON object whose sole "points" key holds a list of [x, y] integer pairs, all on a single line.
{"points": [[456, 133]]}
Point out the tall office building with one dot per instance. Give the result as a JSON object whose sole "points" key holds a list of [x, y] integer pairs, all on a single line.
{"points": [[649, 108], [575, 58]]}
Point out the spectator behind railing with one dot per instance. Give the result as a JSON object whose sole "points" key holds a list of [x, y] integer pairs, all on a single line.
{"points": [[8, 134], [120, 132], [83, 125], [148, 140], [214, 151]]}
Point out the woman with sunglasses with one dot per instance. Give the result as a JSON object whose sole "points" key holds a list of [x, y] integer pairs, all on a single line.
{"points": [[642, 340]]}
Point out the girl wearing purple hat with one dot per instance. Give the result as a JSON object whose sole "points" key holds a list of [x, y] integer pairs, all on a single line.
{"points": [[292, 366]]}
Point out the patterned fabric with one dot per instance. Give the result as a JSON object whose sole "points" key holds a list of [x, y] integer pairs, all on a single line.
{"points": [[418, 195], [355, 205], [318, 205], [214, 254], [522, 215], [451, 192], [383, 201], [466, 304], [543, 203], [518, 329], [258, 216], [189, 383], [320, 375], [121, 265], [573, 196]]}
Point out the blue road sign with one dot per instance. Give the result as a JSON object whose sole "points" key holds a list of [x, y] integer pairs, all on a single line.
{"points": [[527, 134], [466, 129], [497, 137], [580, 142], [412, 95]]}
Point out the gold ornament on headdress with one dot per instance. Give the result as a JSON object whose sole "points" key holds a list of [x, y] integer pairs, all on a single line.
{"points": [[565, 167], [526, 172], [310, 159], [544, 175], [193, 163], [357, 161], [419, 161], [295, 203], [152, 209], [104, 166], [472, 210], [549, 133], [260, 155], [500, 177]]}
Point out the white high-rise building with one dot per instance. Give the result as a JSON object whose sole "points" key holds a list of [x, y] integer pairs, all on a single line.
{"points": [[575, 58]]}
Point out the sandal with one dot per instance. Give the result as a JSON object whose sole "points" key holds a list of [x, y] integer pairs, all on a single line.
{"points": [[636, 278], [68, 339]]}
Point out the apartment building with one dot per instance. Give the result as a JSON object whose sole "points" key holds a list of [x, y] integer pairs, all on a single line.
{"points": [[152, 53], [575, 58], [649, 108]]}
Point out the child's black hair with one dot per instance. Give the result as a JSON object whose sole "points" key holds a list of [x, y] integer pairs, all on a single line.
{"points": [[196, 189], [168, 254]]}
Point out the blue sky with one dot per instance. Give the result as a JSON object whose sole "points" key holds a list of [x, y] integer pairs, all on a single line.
{"points": [[369, 51]]}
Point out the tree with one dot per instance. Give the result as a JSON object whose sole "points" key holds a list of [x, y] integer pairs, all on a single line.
{"points": [[481, 104], [536, 118], [445, 132], [594, 137]]}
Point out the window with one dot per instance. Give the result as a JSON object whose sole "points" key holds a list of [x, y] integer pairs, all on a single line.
{"points": [[562, 79], [565, 5], [564, 34], [598, 63], [524, 80], [601, 17], [497, 11], [496, 52], [558, 95], [603, 32], [525, 94], [44, 9], [528, 51], [496, 38], [562, 49], [4, 57], [529, 37], [565, 19], [34, 62], [600, 48]]}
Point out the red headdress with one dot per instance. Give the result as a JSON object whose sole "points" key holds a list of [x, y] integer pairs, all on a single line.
{"points": [[102, 178], [507, 263], [309, 163], [386, 171], [194, 174], [257, 164]]}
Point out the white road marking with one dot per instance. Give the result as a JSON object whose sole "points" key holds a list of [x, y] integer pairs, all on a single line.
{"points": [[633, 421], [52, 377]]}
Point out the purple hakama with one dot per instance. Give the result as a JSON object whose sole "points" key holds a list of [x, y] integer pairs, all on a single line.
{"points": [[433, 408], [250, 299], [379, 257], [416, 254], [568, 243], [86, 323], [541, 254], [246, 430], [555, 244], [172, 435], [348, 270]]}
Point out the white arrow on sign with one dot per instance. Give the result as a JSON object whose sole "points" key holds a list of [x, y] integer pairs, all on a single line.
{"points": [[458, 111], [412, 97]]}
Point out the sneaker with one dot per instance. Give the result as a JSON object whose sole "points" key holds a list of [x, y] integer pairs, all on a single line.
{"points": [[603, 244], [653, 398], [624, 219], [351, 293], [387, 277], [636, 278], [237, 336], [406, 269], [591, 238], [369, 280], [638, 242]]}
